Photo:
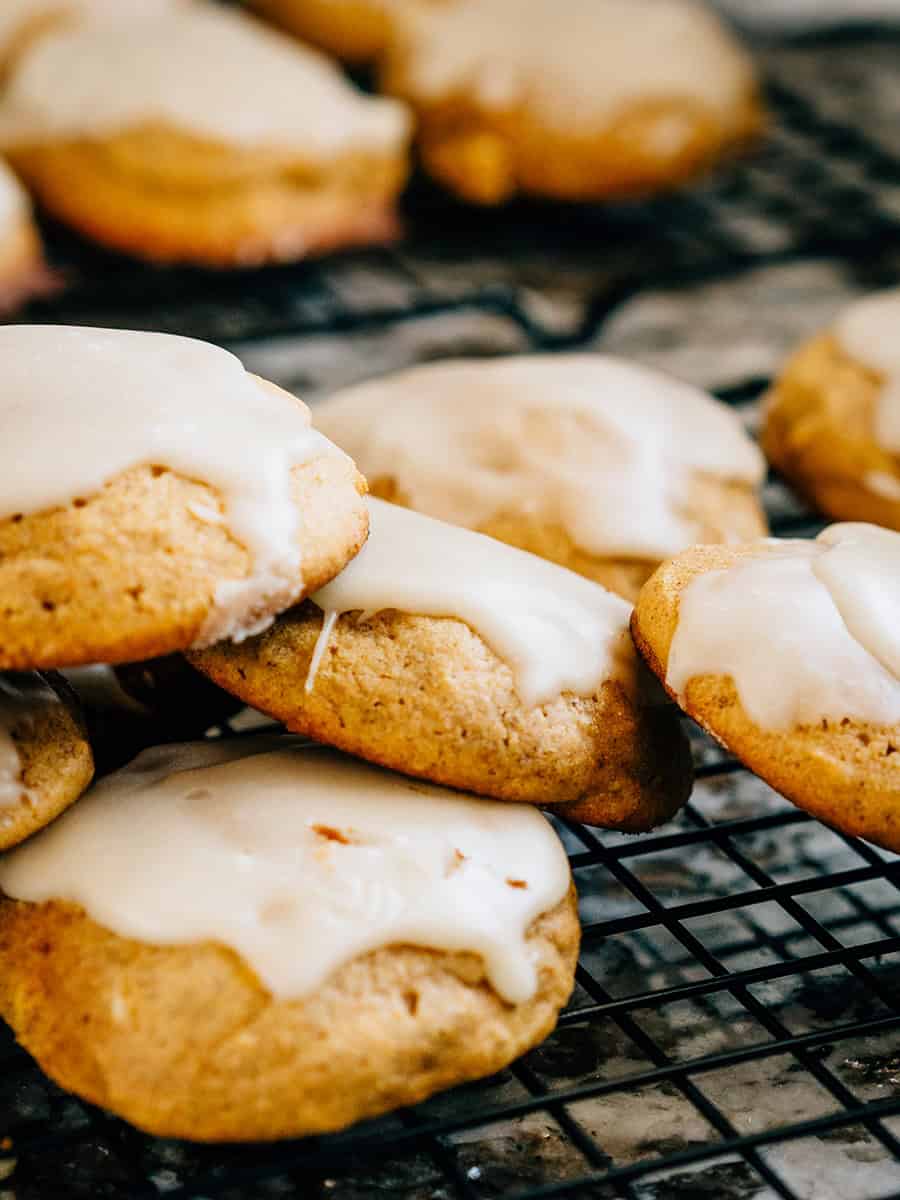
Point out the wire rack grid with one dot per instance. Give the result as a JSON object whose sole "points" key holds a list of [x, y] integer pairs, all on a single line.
{"points": [[735, 1028]]}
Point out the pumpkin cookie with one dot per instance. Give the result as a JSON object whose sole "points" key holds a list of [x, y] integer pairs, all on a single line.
{"points": [[180, 500], [356, 31], [443, 654], [789, 654], [255, 940], [832, 422], [573, 99], [22, 270], [271, 156], [45, 757], [597, 464]]}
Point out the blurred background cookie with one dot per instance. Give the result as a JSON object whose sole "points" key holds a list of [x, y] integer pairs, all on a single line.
{"points": [[45, 757], [832, 419], [177, 501], [447, 655], [124, 132], [237, 942], [789, 653], [597, 464], [575, 99]]}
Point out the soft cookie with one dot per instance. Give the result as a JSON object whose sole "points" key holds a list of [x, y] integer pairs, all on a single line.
{"points": [[574, 99], [598, 464], [199, 135], [254, 939], [789, 654], [155, 497], [45, 757], [444, 654], [22, 269], [832, 425]]}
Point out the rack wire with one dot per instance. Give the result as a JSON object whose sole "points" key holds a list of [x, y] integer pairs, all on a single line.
{"points": [[735, 1029]]}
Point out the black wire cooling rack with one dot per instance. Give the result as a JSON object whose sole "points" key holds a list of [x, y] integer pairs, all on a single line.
{"points": [[735, 1029]]}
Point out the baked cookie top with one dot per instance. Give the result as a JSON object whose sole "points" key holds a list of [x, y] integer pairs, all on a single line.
{"points": [[203, 70], [604, 448], [115, 401], [808, 631], [869, 331], [300, 860], [557, 631], [576, 63]]}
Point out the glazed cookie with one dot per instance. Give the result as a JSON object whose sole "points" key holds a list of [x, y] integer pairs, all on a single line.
{"points": [[178, 501], [832, 423], [45, 757], [597, 464], [789, 654], [356, 31], [22, 269], [255, 940], [443, 654], [574, 99], [272, 155]]}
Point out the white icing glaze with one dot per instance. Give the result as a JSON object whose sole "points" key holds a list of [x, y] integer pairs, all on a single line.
{"points": [[300, 860], [115, 399], [808, 631], [601, 447], [16, 15], [14, 203], [205, 70], [574, 61], [557, 631], [22, 696], [861, 569], [869, 331]]}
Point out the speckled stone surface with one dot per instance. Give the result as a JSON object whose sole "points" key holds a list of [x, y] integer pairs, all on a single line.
{"points": [[712, 947]]}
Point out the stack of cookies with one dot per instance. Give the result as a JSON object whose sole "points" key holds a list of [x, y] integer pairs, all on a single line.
{"points": [[262, 936], [112, 117]]}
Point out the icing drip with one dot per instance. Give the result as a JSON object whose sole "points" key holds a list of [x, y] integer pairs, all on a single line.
{"points": [[807, 631], [22, 697], [300, 860], [603, 448], [574, 61], [868, 331], [125, 399], [557, 631], [14, 204], [266, 90]]}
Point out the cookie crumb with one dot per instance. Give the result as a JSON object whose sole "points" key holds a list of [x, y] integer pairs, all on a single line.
{"points": [[332, 834]]}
